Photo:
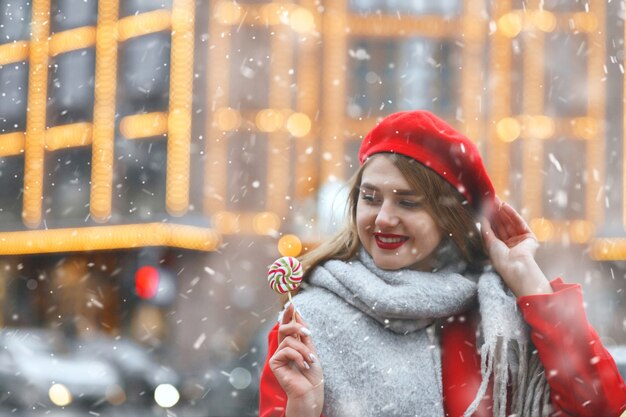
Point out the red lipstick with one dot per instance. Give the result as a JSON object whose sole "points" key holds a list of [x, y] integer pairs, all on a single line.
{"points": [[389, 241]]}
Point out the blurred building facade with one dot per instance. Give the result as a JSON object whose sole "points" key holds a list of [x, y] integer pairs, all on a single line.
{"points": [[206, 137]]}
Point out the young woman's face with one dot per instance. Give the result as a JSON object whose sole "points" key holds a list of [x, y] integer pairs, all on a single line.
{"points": [[392, 223]]}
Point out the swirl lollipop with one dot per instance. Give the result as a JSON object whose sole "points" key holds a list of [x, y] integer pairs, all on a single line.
{"points": [[285, 275]]}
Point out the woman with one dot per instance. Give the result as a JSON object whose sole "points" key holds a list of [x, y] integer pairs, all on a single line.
{"points": [[430, 302]]}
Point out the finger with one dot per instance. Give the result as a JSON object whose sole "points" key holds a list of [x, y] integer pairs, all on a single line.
{"points": [[516, 218], [507, 223], [294, 330], [288, 313], [307, 353], [512, 222], [498, 227], [511, 216], [286, 355], [489, 237]]}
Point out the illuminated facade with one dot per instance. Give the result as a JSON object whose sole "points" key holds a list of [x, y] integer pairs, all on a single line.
{"points": [[89, 144]]}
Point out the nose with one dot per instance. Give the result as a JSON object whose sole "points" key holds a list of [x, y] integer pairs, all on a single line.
{"points": [[386, 217]]}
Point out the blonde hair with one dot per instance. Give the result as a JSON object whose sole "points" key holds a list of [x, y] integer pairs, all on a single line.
{"points": [[445, 204]]}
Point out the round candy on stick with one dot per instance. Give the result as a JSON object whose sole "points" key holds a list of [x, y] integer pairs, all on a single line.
{"points": [[284, 276]]}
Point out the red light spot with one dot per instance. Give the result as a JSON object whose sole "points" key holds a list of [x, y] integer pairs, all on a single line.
{"points": [[146, 281]]}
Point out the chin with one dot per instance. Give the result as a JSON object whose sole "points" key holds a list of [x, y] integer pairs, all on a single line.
{"points": [[389, 265]]}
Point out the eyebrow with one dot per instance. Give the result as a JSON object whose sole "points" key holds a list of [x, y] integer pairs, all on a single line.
{"points": [[372, 187]]}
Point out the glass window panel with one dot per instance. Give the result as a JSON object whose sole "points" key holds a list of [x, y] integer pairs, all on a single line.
{"points": [[400, 75], [11, 192], [15, 16], [66, 187], [70, 91], [247, 171], [427, 76], [13, 97], [250, 57], [372, 83], [564, 179], [70, 14], [144, 70], [513, 194], [415, 7], [139, 180], [351, 164], [131, 7], [566, 74], [566, 5], [517, 77]]}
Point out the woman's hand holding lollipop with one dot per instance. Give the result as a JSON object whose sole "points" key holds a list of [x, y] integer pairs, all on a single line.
{"points": [[295, 362]]}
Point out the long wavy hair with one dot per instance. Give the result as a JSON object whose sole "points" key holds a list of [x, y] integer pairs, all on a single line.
{"points": [[445, 204]]}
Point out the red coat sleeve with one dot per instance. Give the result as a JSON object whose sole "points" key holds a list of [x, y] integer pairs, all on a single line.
{"points": [[583, 377], [272, 398]]}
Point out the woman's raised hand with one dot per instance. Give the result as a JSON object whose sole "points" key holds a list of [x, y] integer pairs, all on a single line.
{"points": [[511, 246], [297, 368]]}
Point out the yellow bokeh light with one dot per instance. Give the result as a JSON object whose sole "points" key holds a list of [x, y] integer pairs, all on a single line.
{"points": [[108, 237], [269, 120], [143, 23], [585, 127], [543, 228], [299, 124], [581, 231], [227, 119], [227, 12], [266, 223], [544, 20], [73, 39], [608, 249], [586, 22], [12, 143], [226, 222], [179, 115], [289, 245], [301, 20], [508, 129], [60, 395], [273, 13], [69, 136], [510, 25], [539, 127], [15, 51], [105, 85], [144, 125]]}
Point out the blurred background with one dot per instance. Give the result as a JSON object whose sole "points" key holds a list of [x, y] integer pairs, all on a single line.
{"points": [[157, 155]]}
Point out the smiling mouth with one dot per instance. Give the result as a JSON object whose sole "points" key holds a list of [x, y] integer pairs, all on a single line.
{"points": [[388, 241]]}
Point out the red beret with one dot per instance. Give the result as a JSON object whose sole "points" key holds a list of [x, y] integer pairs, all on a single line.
{"points": [[429, 140]]}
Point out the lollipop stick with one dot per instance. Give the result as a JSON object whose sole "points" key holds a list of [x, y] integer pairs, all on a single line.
{"points": [[293, 317]]}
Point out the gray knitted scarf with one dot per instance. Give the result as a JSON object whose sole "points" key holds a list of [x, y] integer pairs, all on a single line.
{"points": [[397, 310]]}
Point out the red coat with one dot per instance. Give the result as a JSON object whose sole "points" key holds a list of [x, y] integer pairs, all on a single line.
{"points": [[583, 378]]}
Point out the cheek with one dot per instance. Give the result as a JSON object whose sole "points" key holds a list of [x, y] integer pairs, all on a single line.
{"points": [[363, 223], [427, 231], [363, 217]]}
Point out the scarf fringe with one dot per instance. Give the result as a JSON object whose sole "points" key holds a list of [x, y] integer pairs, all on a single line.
{"points": [[530, 391]]}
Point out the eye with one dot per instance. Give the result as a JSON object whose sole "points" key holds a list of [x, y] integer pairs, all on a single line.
{"points": [[410, 203]]}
